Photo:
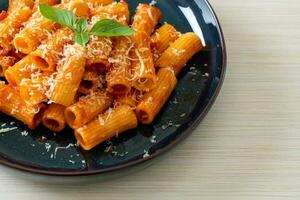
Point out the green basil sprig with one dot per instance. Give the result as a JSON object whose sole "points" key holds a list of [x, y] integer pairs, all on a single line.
{"points": [[104, 27]]}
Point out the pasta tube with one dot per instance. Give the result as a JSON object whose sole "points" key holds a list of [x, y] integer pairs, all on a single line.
{"points": [[50, 52], [153, 101], [53, 117], [49, 2], [32, 90], [105, 126], [16, 4], [144, 77], [162, 38], [118, 11], [69, 75], [80, 8], [92, 3], [3, 15], [98, 51], [118, 78], [12, 104], [131, 98], [97, 3], [11, 25], [91, 82], [127, 99], [180, 52], [146, 18], [36, 29], [5, 63], [87, 108], [22, 69], [99, 48]]}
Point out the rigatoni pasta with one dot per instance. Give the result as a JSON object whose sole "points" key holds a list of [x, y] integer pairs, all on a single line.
{"points": [[91, 82], [34, 32], [33, 89], [12, 104], [102, 82], [118, 77], [80, 8], [53, 117], [93, 3], [11, 25], [49, 2], [22, 69], [98, 51], [99, 3], [16, 4], [105, 126], [131, 98], [3, 15], [5, 63], [179, 52], [51, 51], [144, 22], [162, 38], [118, 11], [144, 77], [153, 101], [99, 48], [69, 75], [87, 108], [146, 18]]}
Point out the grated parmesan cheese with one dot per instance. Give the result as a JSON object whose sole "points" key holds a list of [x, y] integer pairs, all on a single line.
{"points": [[153, 139], [72, 161], [5, 130], [101, 120], [142, 69], [183, 115], [47, 146], [150, 14], [24, 133], [178, 52], [152, 3], [206, 75], [58, 148], [146, 154]]}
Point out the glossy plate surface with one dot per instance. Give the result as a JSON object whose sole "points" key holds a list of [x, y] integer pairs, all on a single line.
{"points": [[43, 151]]}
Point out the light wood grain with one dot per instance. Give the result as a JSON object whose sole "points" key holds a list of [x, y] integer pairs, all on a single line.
{"points": [[248, 147]]}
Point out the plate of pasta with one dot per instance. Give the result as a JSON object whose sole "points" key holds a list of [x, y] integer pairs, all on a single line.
{"points": [[92, 86]]}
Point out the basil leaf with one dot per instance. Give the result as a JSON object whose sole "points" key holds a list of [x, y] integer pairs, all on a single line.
{"points": [[81, 38], [81, 25], [63, 17], [109, 28]]}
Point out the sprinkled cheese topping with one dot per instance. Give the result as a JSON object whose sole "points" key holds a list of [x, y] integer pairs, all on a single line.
{"points": [[99, 47], [24, 133], [60, 148], [74, 50], [101, 120], [142, 69], [152, 3], [5, 130], [178, 52], [146, 154], [150, 13]]}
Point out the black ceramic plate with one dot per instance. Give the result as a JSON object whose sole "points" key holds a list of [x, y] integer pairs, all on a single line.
{"points": [[43, 151]]}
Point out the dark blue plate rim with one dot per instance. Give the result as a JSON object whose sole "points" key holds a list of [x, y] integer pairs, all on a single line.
{"points": [[193, 125]]}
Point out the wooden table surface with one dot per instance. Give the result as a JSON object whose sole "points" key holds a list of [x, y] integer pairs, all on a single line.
{"points": [[248, 147]]}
